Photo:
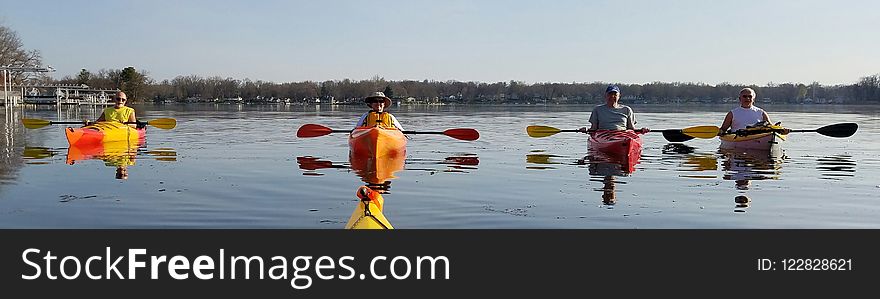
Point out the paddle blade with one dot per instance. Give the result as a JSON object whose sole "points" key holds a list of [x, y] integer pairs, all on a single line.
{"points": [[312, 130], [541, 131], [839, 130], [163, 123], [676, 136], [463, 134], [33, 123], [705, 132]]}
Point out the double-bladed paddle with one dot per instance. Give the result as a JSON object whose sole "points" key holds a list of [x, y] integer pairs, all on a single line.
{"points": [[841, 130], [674, 135], [161, 123], [313, 130]]}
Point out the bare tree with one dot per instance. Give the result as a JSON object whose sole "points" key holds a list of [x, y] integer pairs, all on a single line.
{"points": [[12, 52]]}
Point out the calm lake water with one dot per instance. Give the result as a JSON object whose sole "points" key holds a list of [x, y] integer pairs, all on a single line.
{"points": [[233, 166]]}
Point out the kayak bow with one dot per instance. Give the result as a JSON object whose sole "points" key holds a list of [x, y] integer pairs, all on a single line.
{"points": [[368, 214]]}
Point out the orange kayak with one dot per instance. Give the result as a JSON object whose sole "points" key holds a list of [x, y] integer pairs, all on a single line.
{"points": [[376, 142], [104, 132]]}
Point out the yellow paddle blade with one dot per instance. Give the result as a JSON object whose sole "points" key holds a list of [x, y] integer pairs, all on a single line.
{"points": [[33, 123], [163, 123], [705, 132], [541, 131]]}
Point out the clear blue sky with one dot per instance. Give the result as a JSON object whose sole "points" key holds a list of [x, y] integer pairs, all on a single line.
{"points": [[743, 41]]}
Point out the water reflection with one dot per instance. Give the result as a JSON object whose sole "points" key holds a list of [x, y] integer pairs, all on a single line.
{"points": [[836, 167], [744, 166], [377, 175], [39, 155], [11, 141], [379, 172], [605, 169], [538, 157], [119, 155]]}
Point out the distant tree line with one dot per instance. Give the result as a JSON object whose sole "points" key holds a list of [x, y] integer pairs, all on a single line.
{"points": [[140, 87], [197, 88]]}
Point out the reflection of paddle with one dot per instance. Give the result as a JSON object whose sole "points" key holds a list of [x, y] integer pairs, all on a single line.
{"points": [[674, 135], [313, 130], [161, 123], [841, 130]]}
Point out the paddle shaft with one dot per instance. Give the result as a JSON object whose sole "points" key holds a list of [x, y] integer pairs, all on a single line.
{"points": [[82, 122]]}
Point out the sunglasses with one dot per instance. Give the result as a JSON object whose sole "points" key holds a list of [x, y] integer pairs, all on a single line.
{"points": [[120, 99], [746, 96]]}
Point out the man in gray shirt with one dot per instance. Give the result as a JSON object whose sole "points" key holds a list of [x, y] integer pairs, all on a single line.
{"points": [[612, 115]]}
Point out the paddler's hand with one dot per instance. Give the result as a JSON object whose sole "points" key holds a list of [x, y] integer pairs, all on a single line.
{"points": [[643, 130], [583, 130]]}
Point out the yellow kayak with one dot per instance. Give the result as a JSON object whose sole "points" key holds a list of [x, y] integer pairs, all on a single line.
{"points": [[368, 214], [755, 138], [102, 132]]}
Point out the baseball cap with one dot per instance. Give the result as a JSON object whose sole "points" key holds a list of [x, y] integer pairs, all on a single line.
{"points": [[612, 88]]}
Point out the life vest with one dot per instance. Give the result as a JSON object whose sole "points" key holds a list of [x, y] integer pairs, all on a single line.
{"points": [[120, 115], [379, 119]]}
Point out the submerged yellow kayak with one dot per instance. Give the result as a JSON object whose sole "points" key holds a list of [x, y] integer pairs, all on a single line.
{"points": [[368, 214]]}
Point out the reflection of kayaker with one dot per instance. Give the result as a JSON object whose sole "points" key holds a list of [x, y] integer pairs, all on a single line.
{"points": [[608, 196], [376, 170], [600, 165], [368, 213], [742, 166], [115, 154]]}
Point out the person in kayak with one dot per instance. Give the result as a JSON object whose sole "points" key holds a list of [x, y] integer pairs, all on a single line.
{"points": [[747, 114], [119, 112], [377, 116], [612, 115]]}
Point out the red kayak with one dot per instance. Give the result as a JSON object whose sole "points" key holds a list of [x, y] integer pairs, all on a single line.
{"points": [[624, 147]]}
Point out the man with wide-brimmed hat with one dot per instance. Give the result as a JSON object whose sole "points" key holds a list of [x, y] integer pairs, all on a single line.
{"points": [[377, 116]]}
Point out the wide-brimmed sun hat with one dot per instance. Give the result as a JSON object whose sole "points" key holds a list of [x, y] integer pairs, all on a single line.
{"points": [[378, 94]]}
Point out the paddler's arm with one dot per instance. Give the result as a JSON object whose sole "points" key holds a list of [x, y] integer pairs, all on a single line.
{"points": [[726, 124], [395, 122], [361, 121], [631, 123], [593, 123]]}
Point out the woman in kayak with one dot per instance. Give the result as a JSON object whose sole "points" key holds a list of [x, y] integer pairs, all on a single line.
{"points": [[119, 112], [612, 115], [746, 114], [377, 116]]}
